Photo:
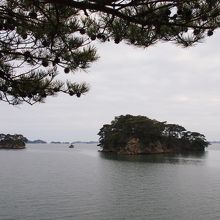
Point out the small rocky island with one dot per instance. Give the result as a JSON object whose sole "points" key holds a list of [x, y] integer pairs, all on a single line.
{"points": [[16, 141], [132, 135]]}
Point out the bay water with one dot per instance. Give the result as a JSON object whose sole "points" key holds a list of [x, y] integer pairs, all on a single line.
{"points": [[54, 182]]}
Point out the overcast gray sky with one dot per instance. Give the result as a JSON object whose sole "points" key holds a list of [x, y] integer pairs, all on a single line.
{"points": [[163, 82]]}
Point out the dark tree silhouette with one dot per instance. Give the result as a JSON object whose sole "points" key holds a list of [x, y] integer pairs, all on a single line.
{"points": [[115, 136], [10, 141], [41, 39]]}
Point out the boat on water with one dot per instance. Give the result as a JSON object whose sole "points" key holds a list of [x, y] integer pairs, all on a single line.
{"points": [[71, 146]]}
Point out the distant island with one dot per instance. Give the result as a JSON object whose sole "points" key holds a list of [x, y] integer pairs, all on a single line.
{"points": [[214, 142], [36, 142], [39, 141], [16, 141], [58, 142], [129, 134], [84, 142], [74, 142]]}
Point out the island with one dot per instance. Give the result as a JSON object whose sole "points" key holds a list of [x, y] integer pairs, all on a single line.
{"points": [[59, 142], [132, 135], [84, 142], [16, 141], [38, 141], [74, 142]]}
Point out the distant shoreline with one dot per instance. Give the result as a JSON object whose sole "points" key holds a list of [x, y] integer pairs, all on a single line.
{"points": [[58, 142]]}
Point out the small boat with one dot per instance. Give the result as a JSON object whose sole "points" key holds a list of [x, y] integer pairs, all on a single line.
{"points": [[71, 146]]}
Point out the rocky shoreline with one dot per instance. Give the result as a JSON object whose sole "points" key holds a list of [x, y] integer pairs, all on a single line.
{"points": [[134, 147], [12, 146]]}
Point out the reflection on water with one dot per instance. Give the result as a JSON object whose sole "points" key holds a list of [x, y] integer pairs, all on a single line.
{"points": [[186, 158]]}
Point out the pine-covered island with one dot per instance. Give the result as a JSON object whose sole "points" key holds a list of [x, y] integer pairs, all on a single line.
{"points": [[132, 135], [9, 141]]}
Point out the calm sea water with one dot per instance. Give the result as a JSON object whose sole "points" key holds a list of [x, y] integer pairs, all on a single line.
{"points": [[55, 182]]}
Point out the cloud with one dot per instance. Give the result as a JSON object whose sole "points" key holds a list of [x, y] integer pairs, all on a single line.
{"points": [[165, 82]]}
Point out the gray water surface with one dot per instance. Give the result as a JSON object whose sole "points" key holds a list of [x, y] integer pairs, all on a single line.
{"points": [[54, 182]]}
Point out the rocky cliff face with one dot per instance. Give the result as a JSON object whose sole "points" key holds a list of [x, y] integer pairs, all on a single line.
{"points": [[135, 147]]}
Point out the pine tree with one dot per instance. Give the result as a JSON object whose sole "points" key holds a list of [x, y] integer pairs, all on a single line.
{"points": [[40, 40]]}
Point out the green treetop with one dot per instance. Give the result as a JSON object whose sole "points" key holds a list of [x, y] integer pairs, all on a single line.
{"points": [[41, 39]]}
